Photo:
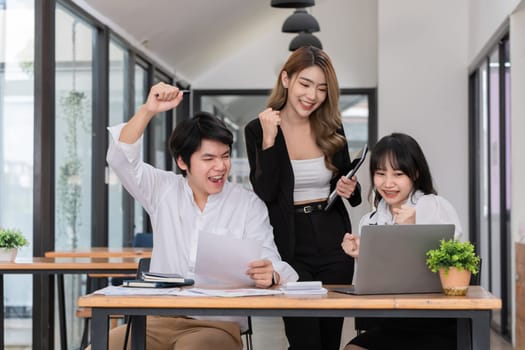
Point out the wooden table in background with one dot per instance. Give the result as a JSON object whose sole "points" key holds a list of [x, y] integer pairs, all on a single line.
{"points": [[475, 307], [101, 252], [59, 267]]}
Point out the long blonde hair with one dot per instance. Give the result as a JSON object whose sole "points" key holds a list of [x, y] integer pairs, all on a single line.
{"points": [[326, 119]]}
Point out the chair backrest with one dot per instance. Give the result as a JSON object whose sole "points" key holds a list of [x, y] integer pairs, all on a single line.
{"points": [[143, 239]]}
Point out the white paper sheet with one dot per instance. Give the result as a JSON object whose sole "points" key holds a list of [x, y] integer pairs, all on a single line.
{"points": [[228, 293], [188, 292], [223, 261]]}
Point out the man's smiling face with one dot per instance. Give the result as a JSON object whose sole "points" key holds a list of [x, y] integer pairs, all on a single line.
{"points": [[209, 169]]}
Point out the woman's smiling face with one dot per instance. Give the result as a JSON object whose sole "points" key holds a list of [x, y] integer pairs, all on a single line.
{"points": [[307, 90], [393, 185]]}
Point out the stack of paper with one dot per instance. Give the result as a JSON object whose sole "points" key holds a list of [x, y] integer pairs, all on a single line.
{"points": [[305, 287]]}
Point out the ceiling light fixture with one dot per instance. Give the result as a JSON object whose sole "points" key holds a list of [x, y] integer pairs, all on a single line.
{"points": [[300, 21], [305, 39], [292, 4]]}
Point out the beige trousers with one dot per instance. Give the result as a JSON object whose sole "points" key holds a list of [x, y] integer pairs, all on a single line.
{"points": [[181, 333]]}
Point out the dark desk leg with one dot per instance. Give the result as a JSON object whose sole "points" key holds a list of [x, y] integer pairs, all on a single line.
{"points": [[44, 310], [2, 323], [463, 333], [99, 329], [62, 311], [138, 333], [481, 330]]}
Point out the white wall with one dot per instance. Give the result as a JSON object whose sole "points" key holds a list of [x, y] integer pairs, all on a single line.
{"points": [[485, 17], [517, 111], [350, 38], [422, 86], [517, 58]]}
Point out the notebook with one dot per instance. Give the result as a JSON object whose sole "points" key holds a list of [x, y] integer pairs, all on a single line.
{"points": [[392, 259]]}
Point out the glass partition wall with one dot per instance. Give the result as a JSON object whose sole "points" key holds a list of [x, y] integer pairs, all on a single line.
{"points": [[237, 108], [117, 86], [490, 188], [16, 154], [140, 94], [52, 185], [73, 148]]}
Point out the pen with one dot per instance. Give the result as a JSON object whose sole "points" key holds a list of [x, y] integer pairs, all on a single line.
{"points": [[183, 91]]}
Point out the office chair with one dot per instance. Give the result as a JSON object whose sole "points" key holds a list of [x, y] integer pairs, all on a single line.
{"points": [[248, 334], [144, 264], [143, 239]]}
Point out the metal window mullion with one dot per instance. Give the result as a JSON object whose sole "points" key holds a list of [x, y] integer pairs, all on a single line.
{"points": [[44, 170], [504, 230], [100, 117]]}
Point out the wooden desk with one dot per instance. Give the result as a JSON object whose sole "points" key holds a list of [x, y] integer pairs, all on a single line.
{"points": [[95, 252], [59, 267], [102, 252], [476, 307]]}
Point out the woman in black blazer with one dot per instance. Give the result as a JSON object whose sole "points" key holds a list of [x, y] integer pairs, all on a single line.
{"points": [[298, 154]]}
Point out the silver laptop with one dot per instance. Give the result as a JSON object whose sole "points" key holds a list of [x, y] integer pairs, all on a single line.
{"points": [[392, 259]]}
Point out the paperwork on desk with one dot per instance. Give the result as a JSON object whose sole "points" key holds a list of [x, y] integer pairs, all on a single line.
{"points": [[188, 292], [291, 288], [223, 261], [238, 292], [220, 271], [119, 290]]}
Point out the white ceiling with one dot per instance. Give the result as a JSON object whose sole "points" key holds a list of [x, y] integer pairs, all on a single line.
{"points": [[238, 44], [187, 36]]}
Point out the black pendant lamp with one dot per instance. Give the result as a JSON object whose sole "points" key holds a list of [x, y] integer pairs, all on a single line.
{"points": [[305, 39], [300, 21], [292, 4]]}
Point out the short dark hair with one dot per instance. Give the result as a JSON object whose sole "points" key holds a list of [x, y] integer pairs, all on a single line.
{"points": [[404, 153], [187, 136]]}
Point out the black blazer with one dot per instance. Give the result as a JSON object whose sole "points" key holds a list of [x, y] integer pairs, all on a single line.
{"points": [[272, 178]]}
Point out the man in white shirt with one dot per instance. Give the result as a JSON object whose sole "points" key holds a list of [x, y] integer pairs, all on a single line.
{"points": [[182, 206]]}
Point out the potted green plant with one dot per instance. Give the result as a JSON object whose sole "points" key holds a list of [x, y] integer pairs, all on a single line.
{"points": [[10, 241], [455, 261]]}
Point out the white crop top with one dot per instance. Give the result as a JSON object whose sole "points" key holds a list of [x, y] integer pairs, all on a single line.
{"points": [[312, 179]]}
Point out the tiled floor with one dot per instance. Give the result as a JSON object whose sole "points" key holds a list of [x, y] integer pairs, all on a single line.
{"points": [[269, 335]]}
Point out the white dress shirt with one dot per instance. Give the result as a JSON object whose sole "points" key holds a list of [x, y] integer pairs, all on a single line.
{"points": [[430, 209], [177, 220]]}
